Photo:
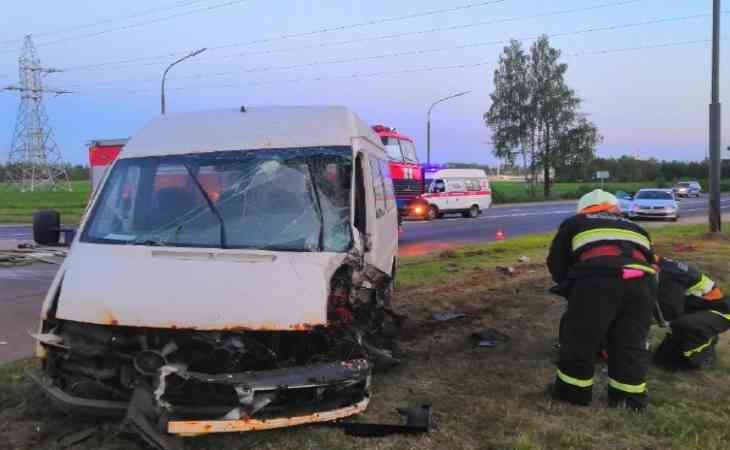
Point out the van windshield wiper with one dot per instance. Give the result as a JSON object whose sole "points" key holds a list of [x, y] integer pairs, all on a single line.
{"points": [[213, 209]]}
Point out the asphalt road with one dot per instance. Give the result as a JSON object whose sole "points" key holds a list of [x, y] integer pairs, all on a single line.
{"points": [[420, 237], [22, 289]]}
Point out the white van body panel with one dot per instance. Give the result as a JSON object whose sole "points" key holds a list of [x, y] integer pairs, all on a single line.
{"points": [[218, 289], [458, 197], [257, 128], [382, 222], [202, 289]]}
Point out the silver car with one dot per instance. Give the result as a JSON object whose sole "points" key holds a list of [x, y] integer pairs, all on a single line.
{"points": [[688, 189], [654, 203]]}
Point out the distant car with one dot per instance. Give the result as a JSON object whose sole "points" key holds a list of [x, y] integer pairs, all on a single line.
{"points": [[654, 203], [625, 201], [688, 189]]}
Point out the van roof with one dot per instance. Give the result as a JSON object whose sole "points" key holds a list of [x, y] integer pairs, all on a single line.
{"points": [[249, 129], [459, 173]]}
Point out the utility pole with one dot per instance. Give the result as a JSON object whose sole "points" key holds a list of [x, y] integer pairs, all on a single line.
{"points": [[715, 215], [35, 161], [164, 76], [428, 123]]}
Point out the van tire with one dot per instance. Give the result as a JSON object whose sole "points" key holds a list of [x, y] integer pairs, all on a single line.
{"points": [[433, 213], [47, 227], [473, 212]]}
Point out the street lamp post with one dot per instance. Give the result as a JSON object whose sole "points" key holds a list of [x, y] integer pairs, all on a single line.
{"points": [[428, 123], [715, 125], [164, 76]]}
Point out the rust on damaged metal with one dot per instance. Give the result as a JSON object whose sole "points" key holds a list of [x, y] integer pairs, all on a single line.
{"points": [[191, 428]]}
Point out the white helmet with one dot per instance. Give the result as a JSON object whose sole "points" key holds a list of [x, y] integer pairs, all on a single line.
{"points": [[595, 198]]}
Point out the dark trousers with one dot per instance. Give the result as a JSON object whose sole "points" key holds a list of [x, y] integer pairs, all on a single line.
{"points": [[618, 313], [691, 344]]}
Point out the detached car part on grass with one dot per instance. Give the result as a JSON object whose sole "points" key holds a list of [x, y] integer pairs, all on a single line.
{"points": [[231, 275]]}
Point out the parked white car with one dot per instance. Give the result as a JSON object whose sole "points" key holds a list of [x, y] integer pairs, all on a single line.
{"points": [[464, 191], [232, 274]]}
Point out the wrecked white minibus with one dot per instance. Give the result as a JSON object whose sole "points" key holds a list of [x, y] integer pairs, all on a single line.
{"points": [[232, 273]]}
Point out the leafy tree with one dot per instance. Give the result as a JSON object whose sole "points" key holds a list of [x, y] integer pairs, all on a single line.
{"points": [[510, 116], [535, 113]]}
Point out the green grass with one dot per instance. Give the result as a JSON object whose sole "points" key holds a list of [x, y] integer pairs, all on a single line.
{"points": [[511, 192], [18, 207], [482, 398]]}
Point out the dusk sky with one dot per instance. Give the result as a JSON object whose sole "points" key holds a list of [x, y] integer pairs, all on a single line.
{"points": [[652, 100]]}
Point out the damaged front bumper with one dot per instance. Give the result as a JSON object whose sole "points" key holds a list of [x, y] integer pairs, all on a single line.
{"points": [[188, 383], [258, 390]]}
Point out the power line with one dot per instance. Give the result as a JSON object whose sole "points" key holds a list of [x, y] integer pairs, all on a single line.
{"points": [[177, 5], [416, 52], [312, 32], [140, 24], [415, 70]]}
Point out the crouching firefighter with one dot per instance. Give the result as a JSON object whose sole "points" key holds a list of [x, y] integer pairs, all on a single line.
{"points": [[697, 312], [602, 263]]}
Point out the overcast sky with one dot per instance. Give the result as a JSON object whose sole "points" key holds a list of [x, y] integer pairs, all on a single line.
{"points": [[650, 101]]}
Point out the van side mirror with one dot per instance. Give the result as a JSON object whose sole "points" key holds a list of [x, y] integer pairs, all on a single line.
{"points": [[47, 229]]}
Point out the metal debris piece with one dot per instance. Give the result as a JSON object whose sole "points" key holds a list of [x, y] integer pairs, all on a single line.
{"points": [[507, 270], [16, 253], [446, 316], [418, 420], [143, 416], [488, 338]]}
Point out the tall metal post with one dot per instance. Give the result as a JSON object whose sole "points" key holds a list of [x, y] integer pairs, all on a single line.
{"points": [[164, 76], [428, 123], [428, 139], [35, 161], [715, 215]]}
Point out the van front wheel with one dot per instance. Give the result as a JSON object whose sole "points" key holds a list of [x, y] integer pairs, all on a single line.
{"points": [[433, 213], [473, 212]]}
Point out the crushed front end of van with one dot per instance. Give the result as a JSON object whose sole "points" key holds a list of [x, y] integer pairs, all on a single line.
{"points": [[233, 288]]}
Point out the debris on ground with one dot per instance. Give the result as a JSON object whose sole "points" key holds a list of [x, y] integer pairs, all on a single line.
{"points": [[488, 338], [524, 259], [507, 270], [447, 254], [20, 253], [77, 437], [681, 248], [446, 316], [418, 420]]}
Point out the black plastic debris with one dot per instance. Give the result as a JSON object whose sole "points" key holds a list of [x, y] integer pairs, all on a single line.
{"points": [[144, 419], [446, 316], [77, 437], [418, 420], [488, 338]]}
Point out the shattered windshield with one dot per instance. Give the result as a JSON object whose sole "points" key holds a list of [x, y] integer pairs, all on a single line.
{"points": [[280, 199]]}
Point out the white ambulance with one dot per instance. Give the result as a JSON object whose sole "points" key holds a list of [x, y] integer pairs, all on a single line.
{"points": [[464, 191]]}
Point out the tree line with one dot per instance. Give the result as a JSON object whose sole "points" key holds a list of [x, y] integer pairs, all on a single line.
{"points": [[75, 172], [627, 168]]}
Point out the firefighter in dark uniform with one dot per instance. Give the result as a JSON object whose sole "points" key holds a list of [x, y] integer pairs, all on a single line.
{"points": [[602, 263], [697, 312]]}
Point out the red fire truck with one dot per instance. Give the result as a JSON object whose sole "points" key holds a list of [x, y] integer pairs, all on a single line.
{"points": [[102, 154], [405, 170]]}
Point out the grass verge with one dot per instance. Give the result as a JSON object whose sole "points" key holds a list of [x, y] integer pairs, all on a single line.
{"points": [[18, 207], [483, 398]]}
